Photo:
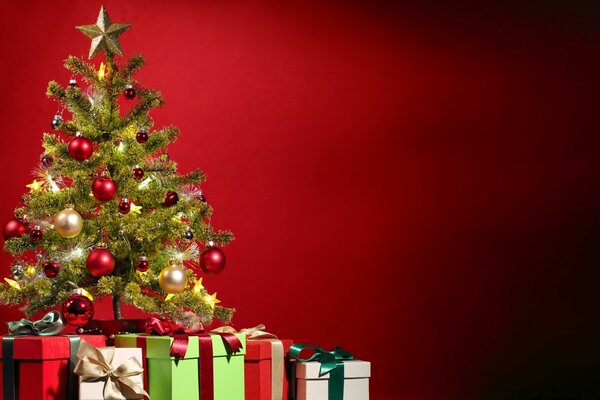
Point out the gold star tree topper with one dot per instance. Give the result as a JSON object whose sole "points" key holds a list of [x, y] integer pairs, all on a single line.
{"points": [[104, 34]]}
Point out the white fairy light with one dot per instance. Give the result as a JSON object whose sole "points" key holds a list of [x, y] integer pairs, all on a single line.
{"points": [[74, 254], [51, 182], [190, 192], [144, 184], [189, 253]]}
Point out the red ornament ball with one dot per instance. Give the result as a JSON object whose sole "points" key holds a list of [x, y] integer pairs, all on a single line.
{"points": [[72, 83], [50, 268], [142, 136], [142, 264], [104, 188], [138, 172], [171, 199], [47, 160], [36, 233], [13, 228], [100, 262], [129, 92], [212, 260], [81, 148], [124, 206], [78, 310]]}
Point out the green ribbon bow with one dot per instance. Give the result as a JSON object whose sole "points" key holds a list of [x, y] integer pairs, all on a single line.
{"points": [[51, 324], [332, 362]]}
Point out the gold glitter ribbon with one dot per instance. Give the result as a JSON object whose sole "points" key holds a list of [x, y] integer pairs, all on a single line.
{"points": [[277, 366], [95, 365]]}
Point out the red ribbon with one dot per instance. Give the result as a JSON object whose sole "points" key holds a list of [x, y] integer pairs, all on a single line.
{"points": [[233, 344], [156, 326], [205, 367]]}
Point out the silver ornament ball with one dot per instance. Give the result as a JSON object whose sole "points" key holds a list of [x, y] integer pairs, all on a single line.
{"points": [[57, 122], [17, 271]]}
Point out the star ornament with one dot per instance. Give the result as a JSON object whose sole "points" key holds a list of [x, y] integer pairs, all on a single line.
{"points": [[135, 209], [35, 186], [211, 299], [198, 287], [104, 35]]}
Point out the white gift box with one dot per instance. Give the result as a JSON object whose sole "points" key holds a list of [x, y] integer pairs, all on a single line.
{"points": [[311, 386], [95, 390]]}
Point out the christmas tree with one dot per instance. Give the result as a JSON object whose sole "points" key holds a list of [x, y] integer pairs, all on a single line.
{"points": [[108, 214]]}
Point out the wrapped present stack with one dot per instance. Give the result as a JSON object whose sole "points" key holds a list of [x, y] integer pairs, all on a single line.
{"points": [[107, 214]]}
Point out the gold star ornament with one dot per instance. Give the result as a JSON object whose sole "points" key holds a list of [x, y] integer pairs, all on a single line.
{"points": [[211, 299], [198, 287], [35, 186], [104, 35], [135, 209]]}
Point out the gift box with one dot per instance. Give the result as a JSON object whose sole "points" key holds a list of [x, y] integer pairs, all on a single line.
{"points": [[110, 373], [40, 367], [266, 369], [311, 386], [170, 378]]}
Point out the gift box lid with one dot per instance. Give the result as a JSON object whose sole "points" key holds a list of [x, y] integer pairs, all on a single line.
{"points": [[49, 347], [257, 350], [160, 346], [352, 369]]}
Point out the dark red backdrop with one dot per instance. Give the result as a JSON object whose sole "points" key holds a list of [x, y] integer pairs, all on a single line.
{"points": [[417, 183]]}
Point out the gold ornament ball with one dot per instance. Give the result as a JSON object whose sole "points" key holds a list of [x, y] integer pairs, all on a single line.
{"points": [[173, 279], [68, 223]]}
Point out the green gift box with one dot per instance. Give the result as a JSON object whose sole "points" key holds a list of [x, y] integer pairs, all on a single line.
{"points": [[171, 379]]}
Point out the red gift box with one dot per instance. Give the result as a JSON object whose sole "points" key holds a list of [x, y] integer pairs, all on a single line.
{"points": [[257, 368], [42, 365]]}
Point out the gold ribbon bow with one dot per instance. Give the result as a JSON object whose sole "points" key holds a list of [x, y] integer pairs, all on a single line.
{"points": [[277, 356], [95, 365], [256, 333]]}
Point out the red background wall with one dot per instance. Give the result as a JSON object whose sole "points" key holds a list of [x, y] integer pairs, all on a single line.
{"points": [[417, 183]]}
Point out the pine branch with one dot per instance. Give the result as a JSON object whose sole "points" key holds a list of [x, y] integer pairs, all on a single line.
{"points": [[80, 67], [56, 91], [224, 314], [194, 177], [75, 101], [161, 139], [149, 99], [134, 64]]}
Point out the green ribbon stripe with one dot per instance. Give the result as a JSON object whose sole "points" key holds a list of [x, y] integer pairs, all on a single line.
{"points": [[332, 362]]}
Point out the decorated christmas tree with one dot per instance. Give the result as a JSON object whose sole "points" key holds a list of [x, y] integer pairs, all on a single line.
{"points": [[108, 214]]}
